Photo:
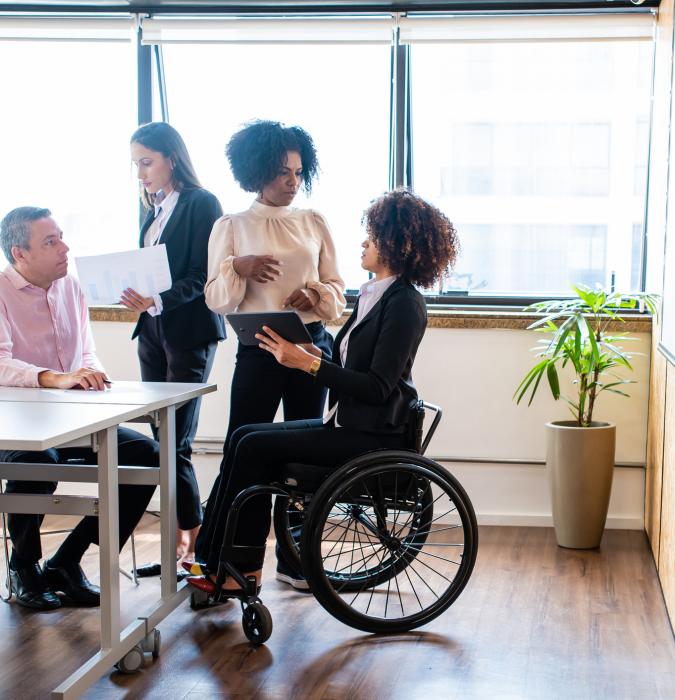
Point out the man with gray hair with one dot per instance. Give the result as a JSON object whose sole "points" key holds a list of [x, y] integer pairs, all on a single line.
{"points": [[46, 341]]}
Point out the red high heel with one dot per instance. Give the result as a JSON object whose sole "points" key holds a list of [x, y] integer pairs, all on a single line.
{"points": [[203, 583]]}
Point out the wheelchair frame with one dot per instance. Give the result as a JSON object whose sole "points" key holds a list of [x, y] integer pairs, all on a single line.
{"points": [[404, 542]]}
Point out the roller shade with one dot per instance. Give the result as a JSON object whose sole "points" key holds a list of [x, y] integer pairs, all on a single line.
{"points": [[66, 29], [523, 28], [376, 30]]}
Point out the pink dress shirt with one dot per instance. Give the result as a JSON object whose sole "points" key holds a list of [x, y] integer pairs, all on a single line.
{"points": [[42, 329]]}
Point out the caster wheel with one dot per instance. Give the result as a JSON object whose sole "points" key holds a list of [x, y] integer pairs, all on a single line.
{"points": [[199, 600], [257, 623], [156, 643], [131, 661]]}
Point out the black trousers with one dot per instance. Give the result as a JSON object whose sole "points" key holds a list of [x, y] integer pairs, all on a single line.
{"points": [[132, 449], [259, 385], [256, 455], [160, 362]]}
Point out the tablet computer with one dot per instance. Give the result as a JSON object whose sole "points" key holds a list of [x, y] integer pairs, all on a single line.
{"points": [[287, 324]]}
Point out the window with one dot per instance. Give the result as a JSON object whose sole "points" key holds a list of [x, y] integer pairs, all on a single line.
{"points": [[338, 93], [540, 162], [68, 113]]}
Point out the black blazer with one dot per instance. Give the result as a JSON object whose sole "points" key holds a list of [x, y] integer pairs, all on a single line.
{"points": [[374, 388], [186, 320]]}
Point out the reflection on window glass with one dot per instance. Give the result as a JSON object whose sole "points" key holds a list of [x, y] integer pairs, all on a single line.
{"points": [[68, 113], [539, 159], [339, 94], [550, 255]]}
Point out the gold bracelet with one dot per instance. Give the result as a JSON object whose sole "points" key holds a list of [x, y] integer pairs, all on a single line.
{"points": [[314, 367]]}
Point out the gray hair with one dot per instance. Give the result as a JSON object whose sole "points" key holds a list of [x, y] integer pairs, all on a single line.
{"points": [[15, 228]]}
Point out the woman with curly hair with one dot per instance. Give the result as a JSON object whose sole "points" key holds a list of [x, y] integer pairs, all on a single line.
{"points": [[267, 258], [410, 242]]}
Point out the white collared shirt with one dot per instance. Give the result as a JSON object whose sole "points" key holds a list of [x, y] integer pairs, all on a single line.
{"points": [[370, 293], [163, 211]]}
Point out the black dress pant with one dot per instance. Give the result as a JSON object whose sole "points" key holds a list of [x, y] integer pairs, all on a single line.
{"points": [[256, 456], [259, 385], [160, 362], [24, 530]]}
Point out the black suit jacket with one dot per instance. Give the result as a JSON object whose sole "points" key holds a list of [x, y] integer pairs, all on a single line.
{"points": [[186, 320], [374, 389]]}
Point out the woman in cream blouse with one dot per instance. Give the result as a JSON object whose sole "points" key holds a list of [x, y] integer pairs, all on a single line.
{"points": [[268, 258]]}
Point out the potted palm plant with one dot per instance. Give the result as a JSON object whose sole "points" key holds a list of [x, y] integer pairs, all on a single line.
{"points": [[580, 452]]}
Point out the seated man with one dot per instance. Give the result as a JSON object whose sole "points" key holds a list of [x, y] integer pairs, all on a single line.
{"points": [[46, 341]]}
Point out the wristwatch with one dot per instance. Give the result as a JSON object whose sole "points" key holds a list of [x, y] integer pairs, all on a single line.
{"points": [[314, 367]]}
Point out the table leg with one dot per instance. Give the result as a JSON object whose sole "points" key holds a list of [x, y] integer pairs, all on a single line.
{"points": [[167, 498], [108, 537]]}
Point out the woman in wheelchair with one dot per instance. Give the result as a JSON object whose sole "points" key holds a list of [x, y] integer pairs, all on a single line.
{"points": [[410, 243]]}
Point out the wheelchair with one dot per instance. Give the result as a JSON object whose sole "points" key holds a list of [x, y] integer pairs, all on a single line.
{"points": [[387, 542]]}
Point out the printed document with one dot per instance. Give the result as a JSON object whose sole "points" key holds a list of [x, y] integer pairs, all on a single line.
{"points": [[103, 278]]}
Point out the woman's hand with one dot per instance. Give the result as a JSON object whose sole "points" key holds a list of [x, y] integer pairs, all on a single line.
{"points": [[302, 299], [132, 300], [259, 268], [286, 354], [312, 349]]}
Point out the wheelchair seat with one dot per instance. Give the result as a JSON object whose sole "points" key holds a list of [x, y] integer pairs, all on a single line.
{"points": [[307, 476]]}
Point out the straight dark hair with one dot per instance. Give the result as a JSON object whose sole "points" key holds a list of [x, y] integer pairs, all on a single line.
{"points": [[163, 138]]}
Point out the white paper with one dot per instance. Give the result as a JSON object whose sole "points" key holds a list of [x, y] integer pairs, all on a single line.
{"points": [[103, 278]]}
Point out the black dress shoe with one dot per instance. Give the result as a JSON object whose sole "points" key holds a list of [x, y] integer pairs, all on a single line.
{"points": [[72, 582], [30, 589]]}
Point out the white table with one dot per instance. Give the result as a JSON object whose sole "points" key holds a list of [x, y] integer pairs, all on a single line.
{"points": [[38, 419]]}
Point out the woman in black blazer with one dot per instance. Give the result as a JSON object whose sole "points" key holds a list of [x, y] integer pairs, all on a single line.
{"points": [[410, 242], [177, 333]]}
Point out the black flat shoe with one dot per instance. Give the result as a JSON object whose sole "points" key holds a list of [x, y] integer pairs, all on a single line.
{"points": [[148, 570], [72, 582], [30, 589]]}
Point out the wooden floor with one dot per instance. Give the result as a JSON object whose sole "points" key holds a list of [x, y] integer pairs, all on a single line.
{"points": [[535, 621]]}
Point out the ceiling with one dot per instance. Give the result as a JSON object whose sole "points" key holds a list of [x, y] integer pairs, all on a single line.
{"points": [[333, 6]]}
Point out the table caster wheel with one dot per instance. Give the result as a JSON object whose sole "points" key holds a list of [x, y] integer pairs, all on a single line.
{"points": [[152, 643], [156, 643], [199, 600], [131, 661], [257, 623]]}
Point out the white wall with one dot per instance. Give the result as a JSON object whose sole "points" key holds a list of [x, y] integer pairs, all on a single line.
{"points": [[472, 375]]}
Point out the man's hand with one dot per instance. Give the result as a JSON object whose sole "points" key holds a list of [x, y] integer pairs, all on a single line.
{"points": [[84, 378], [133, 300], [260, 268], [302, 299], [286, 354]]}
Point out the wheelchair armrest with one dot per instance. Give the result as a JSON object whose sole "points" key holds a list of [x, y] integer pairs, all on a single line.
{"points": [[438, 414]]}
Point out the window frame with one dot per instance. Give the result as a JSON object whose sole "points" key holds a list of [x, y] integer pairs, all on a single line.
{"points": [[401, 151]]}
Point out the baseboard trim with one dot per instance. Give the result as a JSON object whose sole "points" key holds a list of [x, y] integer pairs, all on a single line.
{"points": [[543, 520]]}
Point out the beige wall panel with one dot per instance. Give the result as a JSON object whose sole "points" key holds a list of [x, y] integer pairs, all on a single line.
{"points": [[667, 549], [655, 428]]}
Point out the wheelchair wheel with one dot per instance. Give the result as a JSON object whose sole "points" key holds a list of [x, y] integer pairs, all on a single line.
{"points": [[389, 542], [256, 622], [288, 522]]}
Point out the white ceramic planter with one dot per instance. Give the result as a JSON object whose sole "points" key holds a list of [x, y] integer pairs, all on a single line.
{"points": [[580, 465]]}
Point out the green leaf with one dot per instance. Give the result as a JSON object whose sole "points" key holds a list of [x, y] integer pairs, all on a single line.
{"points": [[553, 381]]}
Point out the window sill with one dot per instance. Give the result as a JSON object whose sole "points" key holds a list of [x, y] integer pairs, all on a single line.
{"points": [[472, 319]]}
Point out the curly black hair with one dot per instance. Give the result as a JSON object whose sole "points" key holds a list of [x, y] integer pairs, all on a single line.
{"points": [[414, 239], [258, 152]]}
